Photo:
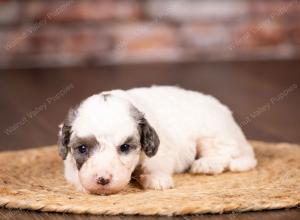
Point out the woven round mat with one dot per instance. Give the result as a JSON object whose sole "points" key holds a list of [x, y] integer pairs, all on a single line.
{"points": [[33, 179]]}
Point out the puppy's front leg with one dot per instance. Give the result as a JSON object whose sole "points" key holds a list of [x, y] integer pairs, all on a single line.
{"points": [[156, 174], [157, 181]]}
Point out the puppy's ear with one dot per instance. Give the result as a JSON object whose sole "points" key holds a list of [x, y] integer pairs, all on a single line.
{"points": [[149, 138], [63, 140], [65, 134]]}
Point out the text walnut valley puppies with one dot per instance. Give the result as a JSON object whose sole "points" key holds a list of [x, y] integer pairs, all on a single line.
{"points": [[159, 131], [38, 109]]}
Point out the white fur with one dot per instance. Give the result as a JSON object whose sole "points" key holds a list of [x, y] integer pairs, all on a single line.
{"points": [[187, 123]]}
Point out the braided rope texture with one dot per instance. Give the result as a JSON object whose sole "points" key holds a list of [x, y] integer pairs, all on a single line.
{"points": [[33, 179]]}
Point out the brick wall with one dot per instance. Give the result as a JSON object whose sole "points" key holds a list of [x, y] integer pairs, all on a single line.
{"points": [[93, 32]]}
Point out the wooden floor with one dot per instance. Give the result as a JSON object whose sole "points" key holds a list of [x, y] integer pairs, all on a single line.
{"points": [[264, 96]]}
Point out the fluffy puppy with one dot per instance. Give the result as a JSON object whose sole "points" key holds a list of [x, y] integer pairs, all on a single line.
{"points": [[158, 131]]}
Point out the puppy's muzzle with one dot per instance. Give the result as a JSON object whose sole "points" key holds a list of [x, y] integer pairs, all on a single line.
{"points": [[104, 181]]}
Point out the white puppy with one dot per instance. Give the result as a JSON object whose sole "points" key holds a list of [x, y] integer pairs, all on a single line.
{"points": [[154, 131]]}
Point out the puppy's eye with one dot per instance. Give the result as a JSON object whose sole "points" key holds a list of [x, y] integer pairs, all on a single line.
{"points": [[82, 149], [124, 148]]}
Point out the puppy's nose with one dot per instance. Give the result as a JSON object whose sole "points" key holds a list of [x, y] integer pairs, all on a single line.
{"points": [[103, 181]]}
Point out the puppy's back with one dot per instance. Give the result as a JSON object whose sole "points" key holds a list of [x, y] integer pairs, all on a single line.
{"points": [[178, 109]]}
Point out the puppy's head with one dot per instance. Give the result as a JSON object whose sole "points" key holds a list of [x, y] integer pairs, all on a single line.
{"points": [[102, 140]]}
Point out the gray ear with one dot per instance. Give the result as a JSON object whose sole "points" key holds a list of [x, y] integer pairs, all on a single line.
{"points": [[63, 140], [65, 133], [149, 138]]}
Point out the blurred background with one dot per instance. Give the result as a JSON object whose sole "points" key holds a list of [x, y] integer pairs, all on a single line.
{"points": [[64, 33], [55, 53]]}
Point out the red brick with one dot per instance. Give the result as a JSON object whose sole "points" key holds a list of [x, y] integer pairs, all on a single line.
{"points": [[89, 10], [275, 8], [89, 41], [294, 35], [145, 41], [51, 39], [287, 11], [255, 35], [57, 46], [30, 40]]}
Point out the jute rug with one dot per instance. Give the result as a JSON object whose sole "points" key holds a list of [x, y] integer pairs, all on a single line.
{"points": [[33, 179]]}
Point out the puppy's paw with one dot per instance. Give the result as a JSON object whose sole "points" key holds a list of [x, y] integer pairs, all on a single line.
{"points": [[156, 181], [208, 165], [242, 164], [80, 188]]}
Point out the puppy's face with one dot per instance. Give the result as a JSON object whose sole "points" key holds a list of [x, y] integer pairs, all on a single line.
{"points": [[102, 140]]}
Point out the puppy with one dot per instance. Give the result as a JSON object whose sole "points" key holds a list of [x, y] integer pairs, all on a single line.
{"points": [[158, 131]]}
